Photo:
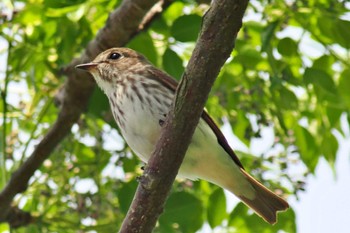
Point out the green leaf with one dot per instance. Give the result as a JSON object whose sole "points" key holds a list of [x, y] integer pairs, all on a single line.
{"points": [[267, 35], [325, 25], [174, 11], [288, 76], [216, 210], [307, 147], [240, 126], [143, 43], [325, 87], [163, 228], [4, 227], [248, 57], [320, 78], [186, 28], [126, 194], [286, 99], [254, 30], [333, 115], [335, 30], [329, 147], [84, 153], [183, 209], [324, 63], [342, 32], [344, 85], [31, 14], [160, 26], [172, 64], [98, 104], [129, 164], [237, 218], [287, 47]]}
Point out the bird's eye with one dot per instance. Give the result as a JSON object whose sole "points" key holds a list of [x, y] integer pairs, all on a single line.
{"points": [[114, 56]]}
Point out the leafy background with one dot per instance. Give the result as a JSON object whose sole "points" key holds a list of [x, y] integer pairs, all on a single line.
{"points": [[290, 71]]}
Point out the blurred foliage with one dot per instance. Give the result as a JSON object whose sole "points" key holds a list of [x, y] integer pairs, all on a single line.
{"points": [[290, 72]]}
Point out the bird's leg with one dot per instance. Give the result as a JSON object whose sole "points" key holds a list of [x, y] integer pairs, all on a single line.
{"points": [[161, 121]]}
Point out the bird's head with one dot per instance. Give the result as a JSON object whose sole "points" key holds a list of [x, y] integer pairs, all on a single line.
{"points": [[113, 66]]}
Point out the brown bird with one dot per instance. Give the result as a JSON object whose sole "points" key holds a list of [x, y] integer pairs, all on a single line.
{"points": [[140, 96]]}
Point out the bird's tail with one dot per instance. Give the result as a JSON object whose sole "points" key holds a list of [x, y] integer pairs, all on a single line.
{"points": [[265, 203]]}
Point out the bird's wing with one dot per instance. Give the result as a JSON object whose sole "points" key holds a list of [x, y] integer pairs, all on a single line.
{"points": [[163, 78], [221, 138], [171, 84]]}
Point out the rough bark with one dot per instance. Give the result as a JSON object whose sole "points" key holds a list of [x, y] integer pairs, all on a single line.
{"points": [[75, 95], [216, 40]]}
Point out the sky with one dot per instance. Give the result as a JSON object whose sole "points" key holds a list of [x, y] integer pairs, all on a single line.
{"points": [[325, 206]]}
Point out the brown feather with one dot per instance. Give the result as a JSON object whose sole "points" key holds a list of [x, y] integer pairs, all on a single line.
{"points": [[266, 203]]}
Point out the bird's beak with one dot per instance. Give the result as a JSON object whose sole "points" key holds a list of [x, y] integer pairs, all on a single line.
{"points": [[86, 66]]}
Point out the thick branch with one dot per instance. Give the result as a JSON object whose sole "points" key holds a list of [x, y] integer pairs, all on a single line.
{"points": [[220, 27], [77, 90]]}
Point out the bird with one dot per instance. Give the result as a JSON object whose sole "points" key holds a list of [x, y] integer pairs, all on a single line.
{"points": [[140, 96]]}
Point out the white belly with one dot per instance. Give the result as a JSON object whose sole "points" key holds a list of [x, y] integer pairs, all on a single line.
{"points": [[139, 126], [204, 159]]}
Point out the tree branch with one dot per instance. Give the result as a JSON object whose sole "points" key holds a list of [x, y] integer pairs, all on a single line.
{"points": [[75, 95], [216, 40]]}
